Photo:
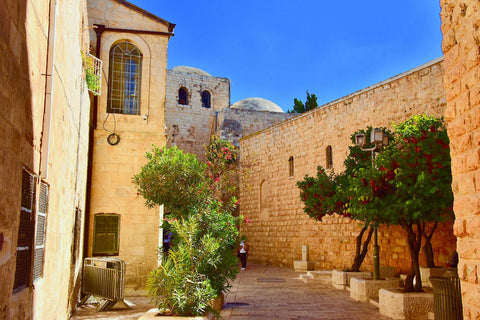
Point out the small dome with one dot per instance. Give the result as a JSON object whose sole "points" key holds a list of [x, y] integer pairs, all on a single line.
{"points": [[186, 69], [257, 104]]}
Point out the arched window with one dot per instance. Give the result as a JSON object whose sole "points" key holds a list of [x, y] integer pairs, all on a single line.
{"points": [[328, 156], [290, 166], [124, 78], [183, 96], [206, 99]]}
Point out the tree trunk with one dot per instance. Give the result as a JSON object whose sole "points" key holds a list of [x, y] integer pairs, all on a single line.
{"points": [[361, 252], [428, 248], [414, 245]]}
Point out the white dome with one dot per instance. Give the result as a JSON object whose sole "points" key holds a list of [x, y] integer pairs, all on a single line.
{"points": [[186, 69], [257, 104]]}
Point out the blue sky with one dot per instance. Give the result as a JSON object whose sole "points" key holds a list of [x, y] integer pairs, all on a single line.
{"points": [[278, 49]]}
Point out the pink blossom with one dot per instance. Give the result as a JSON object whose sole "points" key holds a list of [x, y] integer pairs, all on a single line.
{"points": [[217, 179]]}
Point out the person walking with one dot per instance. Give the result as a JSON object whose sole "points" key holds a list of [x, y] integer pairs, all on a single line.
{"points": [[242, 254]]}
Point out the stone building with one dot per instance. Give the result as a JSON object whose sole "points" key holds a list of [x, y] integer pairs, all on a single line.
{"points": [[127, 119], [288, 151], [198, 107], [194, 98], [44, 145]]}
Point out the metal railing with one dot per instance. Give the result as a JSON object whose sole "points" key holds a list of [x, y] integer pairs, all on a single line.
{"points": [[105, 278]]}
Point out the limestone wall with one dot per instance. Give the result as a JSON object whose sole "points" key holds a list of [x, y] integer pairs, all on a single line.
{"points": [[191, 126], [112, 190], [460, 21], [233, 124], [271, 199], [27, 127]]}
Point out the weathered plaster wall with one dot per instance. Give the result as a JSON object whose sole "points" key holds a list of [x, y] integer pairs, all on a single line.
{"points": [[23, 45], [271, 198], [191, 126], [460, 27], [112, 190]]}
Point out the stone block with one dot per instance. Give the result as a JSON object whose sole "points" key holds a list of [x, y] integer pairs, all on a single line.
{"points": [[299, 265], [399, 305], [366, 289], [341, 279]]}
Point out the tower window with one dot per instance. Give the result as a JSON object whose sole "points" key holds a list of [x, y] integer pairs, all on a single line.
{"points": [[206, 97], [290, 166], [124, 79], [183, 96], [328, 155]]}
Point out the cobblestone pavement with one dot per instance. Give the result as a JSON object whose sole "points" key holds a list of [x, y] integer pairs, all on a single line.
{"points": [[266, 293]]}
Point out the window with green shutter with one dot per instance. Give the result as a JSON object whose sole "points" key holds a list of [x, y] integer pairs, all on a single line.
{"points": [[106, 231]]}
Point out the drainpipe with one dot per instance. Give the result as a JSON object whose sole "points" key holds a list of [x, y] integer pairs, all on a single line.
{"points": [[47, 100], [99, 29]]}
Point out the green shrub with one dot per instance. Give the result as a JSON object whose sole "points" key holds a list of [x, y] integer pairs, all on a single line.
{"points": [[199, 266]]}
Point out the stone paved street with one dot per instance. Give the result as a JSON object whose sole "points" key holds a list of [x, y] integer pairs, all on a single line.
{"points": [[268, 293], [278, 293]]}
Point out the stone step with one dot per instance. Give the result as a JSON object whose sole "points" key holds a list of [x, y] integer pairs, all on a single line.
{"points": [[317, 276]]}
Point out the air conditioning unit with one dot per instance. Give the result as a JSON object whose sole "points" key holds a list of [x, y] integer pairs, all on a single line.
{"points": [[105, 278]]}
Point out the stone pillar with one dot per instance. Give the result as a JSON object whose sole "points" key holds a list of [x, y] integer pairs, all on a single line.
{"points": [[461, 33], [304, 264]]}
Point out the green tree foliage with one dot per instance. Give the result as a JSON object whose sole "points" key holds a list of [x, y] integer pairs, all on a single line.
{"points": [[201, 263], [328, 194], [300, 107], [174, 179], [410, 186], [200, 266]]}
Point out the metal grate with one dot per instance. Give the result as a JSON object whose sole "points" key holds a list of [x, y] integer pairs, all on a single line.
{"points": [[270, 280], [104, 277], [447, 298]]}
